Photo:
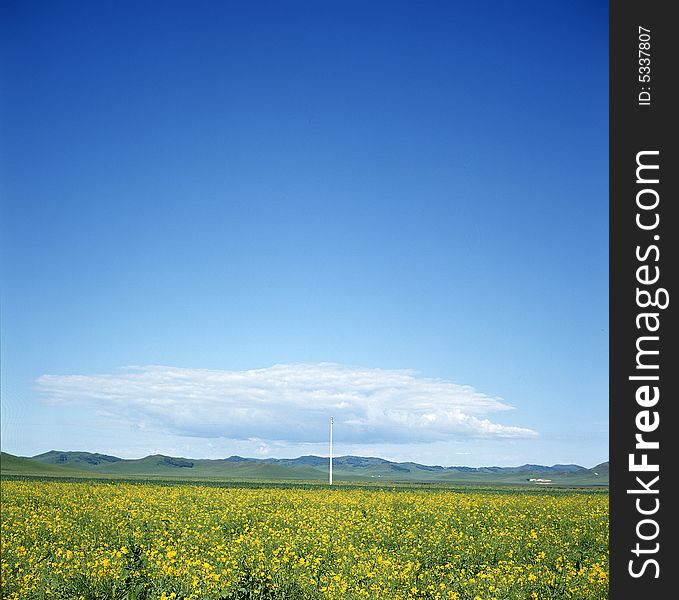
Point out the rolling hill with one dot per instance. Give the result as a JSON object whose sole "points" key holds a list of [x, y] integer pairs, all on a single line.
{"points": [[304, 468], [16, 465]]}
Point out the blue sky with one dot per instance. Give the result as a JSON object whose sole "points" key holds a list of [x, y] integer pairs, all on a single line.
{"points": [[224, 221]]}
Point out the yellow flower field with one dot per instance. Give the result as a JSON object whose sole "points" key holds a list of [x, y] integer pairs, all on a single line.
{"points": [[93, 540]]}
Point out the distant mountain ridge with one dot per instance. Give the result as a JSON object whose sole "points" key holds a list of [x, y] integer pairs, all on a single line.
{"points": [[303, 468]]}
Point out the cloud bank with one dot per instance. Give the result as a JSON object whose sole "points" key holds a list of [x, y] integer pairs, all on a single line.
{"points": [[287, 402]]}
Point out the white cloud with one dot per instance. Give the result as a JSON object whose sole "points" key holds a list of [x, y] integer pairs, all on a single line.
{"points": [[287, 403]]}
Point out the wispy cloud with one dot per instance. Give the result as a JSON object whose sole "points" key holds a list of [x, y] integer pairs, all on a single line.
{"points": [[287, 402]]}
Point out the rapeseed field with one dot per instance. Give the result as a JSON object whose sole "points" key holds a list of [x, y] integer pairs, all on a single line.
{"points": [[133, 541]]}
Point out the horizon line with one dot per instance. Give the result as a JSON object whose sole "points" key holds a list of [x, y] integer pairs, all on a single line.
{"points": [[308, 455]]}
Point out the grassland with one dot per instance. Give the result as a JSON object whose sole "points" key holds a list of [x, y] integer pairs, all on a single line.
{"points": [[149, 541]]}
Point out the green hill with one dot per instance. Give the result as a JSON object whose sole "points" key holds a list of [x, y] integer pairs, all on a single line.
{"points": [[78, 460], [15, 465], [304, 468]]}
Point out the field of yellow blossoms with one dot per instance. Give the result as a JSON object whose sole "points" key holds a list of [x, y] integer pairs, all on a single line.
{"points": [[134, 541]]}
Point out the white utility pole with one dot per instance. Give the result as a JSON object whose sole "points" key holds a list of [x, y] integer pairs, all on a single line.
{"points": [[330, 450]]}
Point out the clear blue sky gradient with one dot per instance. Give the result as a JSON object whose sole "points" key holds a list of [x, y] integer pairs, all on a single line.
{"points": [[231, 185]]}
